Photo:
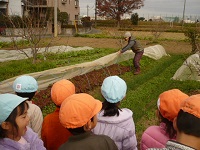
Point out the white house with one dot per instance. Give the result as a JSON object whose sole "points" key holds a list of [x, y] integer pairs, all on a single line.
{"points": [[11, 7]]}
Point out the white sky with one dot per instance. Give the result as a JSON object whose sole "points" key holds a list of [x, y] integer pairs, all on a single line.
{"points": [[154, 8]]}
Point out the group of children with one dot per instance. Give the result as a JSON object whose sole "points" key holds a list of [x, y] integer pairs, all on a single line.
{"points": [[81, 122]]}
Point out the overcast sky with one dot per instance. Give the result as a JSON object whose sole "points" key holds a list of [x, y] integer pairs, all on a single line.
{"points": [[154, 8]]}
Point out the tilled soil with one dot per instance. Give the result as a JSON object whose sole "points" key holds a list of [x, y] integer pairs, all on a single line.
{"points": [[83, 83]]}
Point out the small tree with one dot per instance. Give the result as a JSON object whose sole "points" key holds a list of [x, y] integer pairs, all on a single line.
{"points": [[63, 18], [141, 18], [86, 22], [32, 29], [193, 34], [134, 19], [157, 29]]}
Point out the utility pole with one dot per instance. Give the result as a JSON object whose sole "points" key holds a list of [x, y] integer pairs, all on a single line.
{"points": [[95, 13], [87, 10], [55, 19], [183, 13]]}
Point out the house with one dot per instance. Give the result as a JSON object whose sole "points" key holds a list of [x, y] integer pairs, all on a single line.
{"points": [[11, 7], [39, 8]]}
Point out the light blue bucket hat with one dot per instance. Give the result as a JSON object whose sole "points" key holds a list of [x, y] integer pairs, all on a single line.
{"points": [[25, 84], [8, 102], [113, 89]]}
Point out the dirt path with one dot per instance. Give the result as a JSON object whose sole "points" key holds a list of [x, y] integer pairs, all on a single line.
{"points": [[170, 46]]}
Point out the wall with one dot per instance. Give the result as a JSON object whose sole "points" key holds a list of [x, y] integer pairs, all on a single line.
{"points": [[66, 6], [15, 7]]}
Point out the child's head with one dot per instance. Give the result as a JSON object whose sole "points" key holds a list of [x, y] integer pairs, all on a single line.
{"points": [[168, 106], [25, 86], [188, 119], [113, 90], [78, 113], [61, 90], [13, 118]]}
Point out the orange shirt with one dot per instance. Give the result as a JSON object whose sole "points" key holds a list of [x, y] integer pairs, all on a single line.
{"points": [[53, 133]]}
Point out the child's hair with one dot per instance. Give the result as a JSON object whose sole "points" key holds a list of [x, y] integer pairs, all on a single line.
{"points": [[111, 109], [188, 123], [76, 131], [169, 105], [169, 129], [28, 95], [19, 110], [79, 130]]}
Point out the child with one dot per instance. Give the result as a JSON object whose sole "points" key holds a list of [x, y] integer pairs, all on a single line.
{"points": [[187, 125], [78, 115], [168, 107], [26, 86], [52, 130], [136, 48], [14, 133], [115, 122]]}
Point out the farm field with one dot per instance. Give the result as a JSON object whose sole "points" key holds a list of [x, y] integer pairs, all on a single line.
{"points": [[143, 89], [172, 42]]}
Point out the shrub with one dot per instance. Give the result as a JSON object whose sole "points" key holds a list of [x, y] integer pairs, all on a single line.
{"points": [[134, 19], [86, 22], [193, 35]]}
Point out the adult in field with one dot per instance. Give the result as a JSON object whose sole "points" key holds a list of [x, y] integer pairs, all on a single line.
{"points": [[136, 48]]}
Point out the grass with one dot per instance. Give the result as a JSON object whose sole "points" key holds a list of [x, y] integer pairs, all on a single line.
{"points": [[17, 67], [144, 89]]}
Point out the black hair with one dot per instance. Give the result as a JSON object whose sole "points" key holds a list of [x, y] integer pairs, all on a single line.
{"points": [[169, 129], [18, 111], [76, 131], [111, 109], [26, 95], [188, 123], [129, 38], [80, 130]]}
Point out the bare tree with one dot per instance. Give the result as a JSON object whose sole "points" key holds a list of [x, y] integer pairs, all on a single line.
{"points": [[157, 29], [32, 27], [115, 9], [193, 35]]}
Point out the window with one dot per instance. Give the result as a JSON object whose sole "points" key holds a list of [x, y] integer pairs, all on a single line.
{"points": [[76, 3], [76, 17]]}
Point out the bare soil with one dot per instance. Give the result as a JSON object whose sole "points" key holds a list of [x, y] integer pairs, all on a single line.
{"points": [[83, 83], [170, 46]]}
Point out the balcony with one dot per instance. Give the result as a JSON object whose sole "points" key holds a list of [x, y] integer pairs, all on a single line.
{"points": [[64, 1]]}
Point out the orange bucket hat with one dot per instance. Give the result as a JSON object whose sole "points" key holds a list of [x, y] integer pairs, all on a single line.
{"points": [[169, 103], [192, 105], [78, 109], [61, 90]]}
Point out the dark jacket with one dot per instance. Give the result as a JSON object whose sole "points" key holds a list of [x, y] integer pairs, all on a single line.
{"points": [[89, 141], [134, 45]]}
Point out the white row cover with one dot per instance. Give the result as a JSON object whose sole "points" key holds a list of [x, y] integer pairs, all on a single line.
{"points": [[190, 70], [48, 77]]}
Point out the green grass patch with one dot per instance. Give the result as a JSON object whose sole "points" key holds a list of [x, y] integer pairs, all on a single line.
{"points": [[17, 67], [144, 89]]}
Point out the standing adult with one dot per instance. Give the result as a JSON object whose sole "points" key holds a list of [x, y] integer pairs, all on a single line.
{"points": [[136, 48]]}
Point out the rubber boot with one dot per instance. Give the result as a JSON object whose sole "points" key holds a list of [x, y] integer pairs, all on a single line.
{"points": [[137, 71]]}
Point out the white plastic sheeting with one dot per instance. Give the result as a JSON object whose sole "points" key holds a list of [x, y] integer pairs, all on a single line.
{"points": [[47, 77], [190, 70], [6, 55], [155, 52]]}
